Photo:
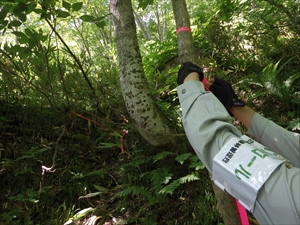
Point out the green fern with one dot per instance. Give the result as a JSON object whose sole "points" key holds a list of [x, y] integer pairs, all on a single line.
{"points": [[181, 158], [169, 189], [133, 191], [195, 163], [188, 178], [159, 177], [272, 81], [162, 155], [294, 125]]}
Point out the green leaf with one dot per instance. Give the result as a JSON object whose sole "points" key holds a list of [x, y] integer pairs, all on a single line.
{"points": [[197, 165], [87, 18], [66, 5], [24, 54], [188, 178], [95, 172], [295, 100], [62, 14], [15, 23], [45, 15], [38, 150], [79, 215], [33, 200], [90, 195], [295, 124], [167, 179], [118, 134], [22, 17], [35, 36], [291, 114], [108, 145], [31, 7], [100, 24], [101, 189], [15, 49], [77, 6], [3, 22], [22, 38], [30, 156], [23, 7], [38, 11], [144, 3], [162, 155], [3, 14], [169, 189], [17, 10], [181, 158]]}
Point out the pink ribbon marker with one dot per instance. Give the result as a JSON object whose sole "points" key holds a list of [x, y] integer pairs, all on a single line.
{"points": [[243, 213], [184, 29], [204, 81]]}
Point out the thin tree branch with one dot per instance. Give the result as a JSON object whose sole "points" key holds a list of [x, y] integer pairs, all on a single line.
{"points": [[50, 169], [73, 56]]}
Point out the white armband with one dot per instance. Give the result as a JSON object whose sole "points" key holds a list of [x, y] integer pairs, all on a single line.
{"points": [[242, 167]]}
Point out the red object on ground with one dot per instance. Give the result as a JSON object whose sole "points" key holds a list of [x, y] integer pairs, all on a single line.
{"points": [[95, 122]]}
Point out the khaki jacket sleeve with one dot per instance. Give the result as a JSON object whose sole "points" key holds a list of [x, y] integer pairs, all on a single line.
{"points": [[206, 122], [276, 138]]}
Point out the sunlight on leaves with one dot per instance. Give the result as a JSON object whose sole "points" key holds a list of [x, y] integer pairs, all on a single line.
{"points": [[81, 214], [90, 195]]}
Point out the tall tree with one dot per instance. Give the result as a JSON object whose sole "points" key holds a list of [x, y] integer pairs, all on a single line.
{"points": [[226, 203], [148, 119]]}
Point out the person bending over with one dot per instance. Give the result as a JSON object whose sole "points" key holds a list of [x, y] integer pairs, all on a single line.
{"points": [[264, 176]]}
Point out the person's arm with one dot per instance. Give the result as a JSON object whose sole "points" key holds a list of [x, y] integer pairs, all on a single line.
{"points": [[243, 114], [271, 135], [192, 76], [206, 122], [276, 138]]}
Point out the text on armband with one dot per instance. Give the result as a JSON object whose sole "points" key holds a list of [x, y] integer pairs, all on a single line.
{"points": [[233, 150]]}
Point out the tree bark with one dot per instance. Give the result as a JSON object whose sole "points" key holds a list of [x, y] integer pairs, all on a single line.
{"points": [[146, 115], [226, 203], [186, 50]]}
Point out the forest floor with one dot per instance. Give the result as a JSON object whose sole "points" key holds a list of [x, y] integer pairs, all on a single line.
{"points": [[51, 162], [56, 168]]}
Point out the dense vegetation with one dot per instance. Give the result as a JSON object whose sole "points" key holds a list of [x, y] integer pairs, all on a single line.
{"points": [[68, 149]]}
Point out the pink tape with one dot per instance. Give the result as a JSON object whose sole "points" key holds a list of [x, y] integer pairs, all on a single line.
{"points": [[243, 213], [204, 81], [184, 29]]}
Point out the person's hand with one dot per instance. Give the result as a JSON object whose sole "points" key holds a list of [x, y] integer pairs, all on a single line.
{"points": [[187, 68], [224, 92]]}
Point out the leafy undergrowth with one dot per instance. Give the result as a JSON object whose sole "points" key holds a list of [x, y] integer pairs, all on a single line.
{"points": [[58, 168]]}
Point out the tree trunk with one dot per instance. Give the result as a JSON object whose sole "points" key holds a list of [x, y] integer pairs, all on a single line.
{"points": [[148, 119], [186, 50], [226, 203]]}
